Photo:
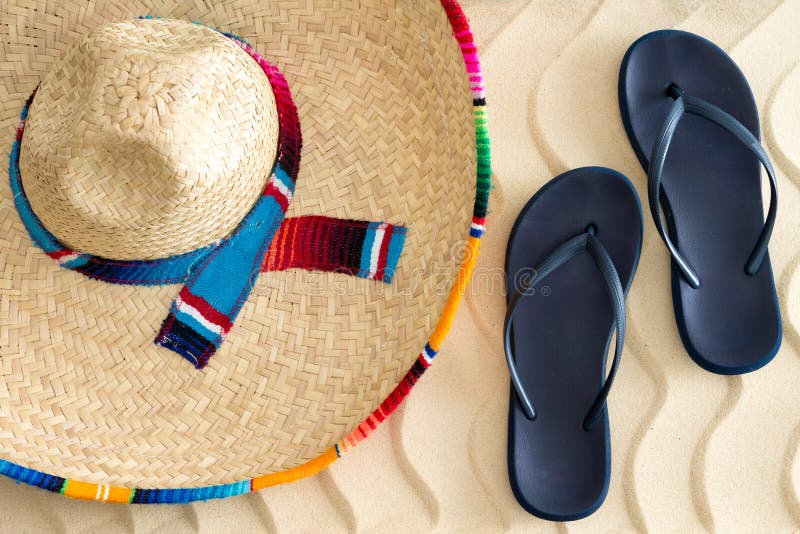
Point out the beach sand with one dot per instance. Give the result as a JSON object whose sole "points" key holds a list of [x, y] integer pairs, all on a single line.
{"points": [[692, 451]]}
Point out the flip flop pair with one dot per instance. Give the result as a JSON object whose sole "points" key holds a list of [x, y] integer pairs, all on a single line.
{"points": [[574, 248]]}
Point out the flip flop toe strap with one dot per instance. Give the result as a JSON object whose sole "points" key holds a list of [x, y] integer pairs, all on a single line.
{"points": [[565, 252], [689, 104]]}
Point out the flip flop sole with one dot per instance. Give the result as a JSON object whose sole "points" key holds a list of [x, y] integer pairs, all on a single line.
{"points": [[561, 336], [711, 198]]}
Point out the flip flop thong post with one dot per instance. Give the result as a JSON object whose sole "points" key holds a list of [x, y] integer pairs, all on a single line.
{"points": [[691, 118], [571, 257]]}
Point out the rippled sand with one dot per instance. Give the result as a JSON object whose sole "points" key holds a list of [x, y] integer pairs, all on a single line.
{"points": [[692, 451]]}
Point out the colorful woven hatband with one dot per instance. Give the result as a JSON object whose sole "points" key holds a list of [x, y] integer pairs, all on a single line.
{"points": [[205, 309]]}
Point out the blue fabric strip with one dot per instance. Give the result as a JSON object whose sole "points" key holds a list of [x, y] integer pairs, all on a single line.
{"points": [[230, 272], [393, 254], [284, 178], [195, 325], [224, 281]]}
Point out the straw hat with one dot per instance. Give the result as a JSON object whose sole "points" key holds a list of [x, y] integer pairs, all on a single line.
{"points": [[192, 305]]}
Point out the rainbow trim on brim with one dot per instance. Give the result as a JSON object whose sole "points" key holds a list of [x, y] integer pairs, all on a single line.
{"points": [[90, 491]]}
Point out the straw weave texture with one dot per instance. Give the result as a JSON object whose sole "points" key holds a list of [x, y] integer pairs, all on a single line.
{"points": [[148, 139], [385, 112]]}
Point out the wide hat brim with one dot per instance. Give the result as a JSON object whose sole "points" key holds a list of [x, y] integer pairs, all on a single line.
{"points": [[90, 407]]}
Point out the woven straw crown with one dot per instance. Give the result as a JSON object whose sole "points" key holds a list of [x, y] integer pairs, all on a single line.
{"points": [[148, 139]]}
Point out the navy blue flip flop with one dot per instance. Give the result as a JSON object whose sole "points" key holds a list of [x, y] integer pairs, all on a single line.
{"points": [[571, 257], [691, 118]]}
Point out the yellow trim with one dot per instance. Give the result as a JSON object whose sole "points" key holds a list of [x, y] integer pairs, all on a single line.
{"points": [[93, 492], [458, 289], [120, 495], [296, 473]]}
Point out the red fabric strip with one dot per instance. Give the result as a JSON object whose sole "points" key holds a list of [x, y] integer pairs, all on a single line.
{"points": [[208, 311], [60, 253], [319, 243]]}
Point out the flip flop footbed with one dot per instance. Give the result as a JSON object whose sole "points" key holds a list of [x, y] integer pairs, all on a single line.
{"points": [[561, 337], [712, 197]]}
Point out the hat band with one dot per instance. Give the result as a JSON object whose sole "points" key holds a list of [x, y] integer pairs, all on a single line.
{"points": [[218, 278]]}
